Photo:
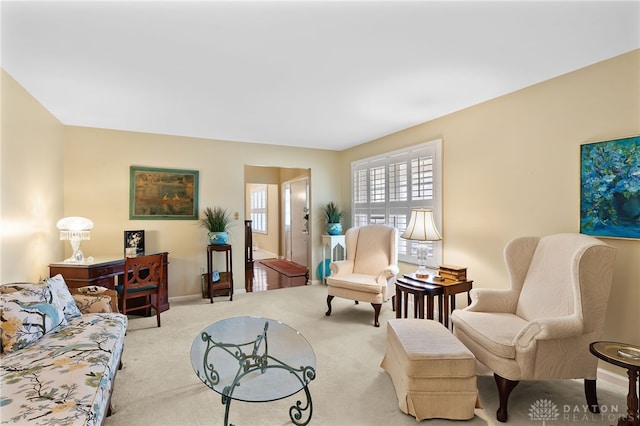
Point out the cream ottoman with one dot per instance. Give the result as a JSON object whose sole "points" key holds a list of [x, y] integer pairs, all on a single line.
{"points": [[433, 373]]}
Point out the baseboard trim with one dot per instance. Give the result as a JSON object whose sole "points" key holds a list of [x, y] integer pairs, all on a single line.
{"points": [[199, 295], [613, 378]]}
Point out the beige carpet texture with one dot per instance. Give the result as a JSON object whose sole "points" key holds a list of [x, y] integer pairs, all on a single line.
{"points": [[157, 385]]}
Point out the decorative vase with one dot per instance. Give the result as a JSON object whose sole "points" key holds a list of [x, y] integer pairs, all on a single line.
{"points": [[334, 228], [218, 238]]}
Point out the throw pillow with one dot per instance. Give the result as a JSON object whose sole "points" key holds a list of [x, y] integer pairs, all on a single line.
{"points": [[93, 304], [26, 317], [91, 289], [59, 287]]}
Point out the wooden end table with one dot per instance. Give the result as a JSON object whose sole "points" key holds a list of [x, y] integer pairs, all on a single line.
{"points": [[627, 357], [225, 285], [449, 290], [420, 291]]}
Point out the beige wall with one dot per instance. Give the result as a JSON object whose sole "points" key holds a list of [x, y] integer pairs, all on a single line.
{"points": [[511, 168], [31, 158], [96, 185]]}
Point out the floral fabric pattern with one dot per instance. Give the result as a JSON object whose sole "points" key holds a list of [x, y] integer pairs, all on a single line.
{"points": [[93, 304], [59, 288], [26, 316], [66, 376]]}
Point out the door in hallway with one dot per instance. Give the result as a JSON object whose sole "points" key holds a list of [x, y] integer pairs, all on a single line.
{"points": [[296, 226]]}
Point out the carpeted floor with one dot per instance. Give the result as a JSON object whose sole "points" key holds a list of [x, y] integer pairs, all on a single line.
{"points": [[157, 385]]}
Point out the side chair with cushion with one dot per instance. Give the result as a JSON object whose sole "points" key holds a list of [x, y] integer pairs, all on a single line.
{"points": [[541, 327], [368, 273], [142, 279]]}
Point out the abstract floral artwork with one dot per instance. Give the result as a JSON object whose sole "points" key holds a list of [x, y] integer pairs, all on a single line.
{"points": [[610, 188]]}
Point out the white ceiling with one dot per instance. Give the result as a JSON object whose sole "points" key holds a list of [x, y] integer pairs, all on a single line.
{"points": [[328, 74]]}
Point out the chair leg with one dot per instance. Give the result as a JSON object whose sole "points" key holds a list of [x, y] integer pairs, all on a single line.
{"points": [[505, 386], [157, 308], [591, 394], [329, 299], [376, 310]]}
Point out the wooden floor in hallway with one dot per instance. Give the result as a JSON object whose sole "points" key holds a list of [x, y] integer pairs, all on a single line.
{"points": [[263, 278]]}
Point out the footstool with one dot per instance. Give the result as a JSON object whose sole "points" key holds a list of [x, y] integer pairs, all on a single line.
{"points": [[433, 373]]}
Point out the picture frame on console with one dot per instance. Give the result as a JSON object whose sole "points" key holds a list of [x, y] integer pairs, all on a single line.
{"points": [[158, 193], [133, 243], [610, 188]]}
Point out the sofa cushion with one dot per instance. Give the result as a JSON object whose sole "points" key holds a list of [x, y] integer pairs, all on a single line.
{"points": [[27, 315], [59, 286], [93, 304], [65, 378], [495, 331], [54, 289], [357, 282]]}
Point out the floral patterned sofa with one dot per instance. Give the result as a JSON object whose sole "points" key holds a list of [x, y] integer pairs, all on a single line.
{"points": [[60, 353]]}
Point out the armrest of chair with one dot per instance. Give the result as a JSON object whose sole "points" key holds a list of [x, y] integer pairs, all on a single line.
{"points": [[340, 267], [387, 273], [492, 300], [549, 328]]}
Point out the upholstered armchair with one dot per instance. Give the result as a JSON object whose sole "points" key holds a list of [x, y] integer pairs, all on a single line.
{"points": [[368, 273], [541, 327]]}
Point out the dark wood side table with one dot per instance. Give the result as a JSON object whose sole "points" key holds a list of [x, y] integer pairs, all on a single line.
{"points": [[224, 285], [628, 357], [449, 291], [420, 291]]}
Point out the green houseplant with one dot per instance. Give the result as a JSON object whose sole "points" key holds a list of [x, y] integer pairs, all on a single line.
{"points": [[216, 221], [333, 215]]}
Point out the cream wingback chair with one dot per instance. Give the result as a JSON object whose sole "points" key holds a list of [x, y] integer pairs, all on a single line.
{"points": [[540, 328], [368, 273]]}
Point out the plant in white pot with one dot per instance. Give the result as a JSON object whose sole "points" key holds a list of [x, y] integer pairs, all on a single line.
{"points": [[216, 221], [333, 214]]}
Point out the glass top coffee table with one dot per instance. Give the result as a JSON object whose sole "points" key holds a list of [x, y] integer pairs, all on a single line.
{"points": [[255, 359]]}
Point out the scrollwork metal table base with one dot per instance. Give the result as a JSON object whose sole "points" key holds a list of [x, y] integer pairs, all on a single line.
{"points": [[240, 363]]}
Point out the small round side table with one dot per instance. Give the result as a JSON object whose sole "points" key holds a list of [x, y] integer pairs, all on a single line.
{"points": [[625, 356]]}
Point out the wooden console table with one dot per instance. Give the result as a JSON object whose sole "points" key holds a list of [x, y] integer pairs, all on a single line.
{"points": [[223, 286], [103, 272]]}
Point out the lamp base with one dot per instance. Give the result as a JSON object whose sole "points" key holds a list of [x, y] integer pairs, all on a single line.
{"points": [[422, 272]]}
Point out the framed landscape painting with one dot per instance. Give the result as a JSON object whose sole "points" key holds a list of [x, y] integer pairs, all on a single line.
{"points": [[610, 188], [156, 193]]}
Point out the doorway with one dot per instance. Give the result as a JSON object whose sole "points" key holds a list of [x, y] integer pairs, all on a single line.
{"points": [[296, 221], [288, 196]]}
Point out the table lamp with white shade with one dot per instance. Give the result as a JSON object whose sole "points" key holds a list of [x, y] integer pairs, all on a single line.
{"points": [[422, 228], [75, 229]]}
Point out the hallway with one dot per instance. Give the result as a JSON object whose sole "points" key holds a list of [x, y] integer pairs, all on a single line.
{"points": [[263, 278]]}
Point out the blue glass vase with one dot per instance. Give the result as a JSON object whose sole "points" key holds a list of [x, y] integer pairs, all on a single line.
{"points": [[334, 228]]}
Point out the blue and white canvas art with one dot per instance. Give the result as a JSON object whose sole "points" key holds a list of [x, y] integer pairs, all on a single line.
{"points": [[610, 188]]}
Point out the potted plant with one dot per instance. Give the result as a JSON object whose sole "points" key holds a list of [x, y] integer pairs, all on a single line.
{"points": [[333, 214], [216, 221]]}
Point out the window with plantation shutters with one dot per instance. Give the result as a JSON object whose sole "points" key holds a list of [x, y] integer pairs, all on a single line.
{"points": [[258, 198], [387, 187]]}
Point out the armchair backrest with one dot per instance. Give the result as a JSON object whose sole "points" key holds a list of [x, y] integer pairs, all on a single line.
{"points": [[569, 274], [372, 248]]}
